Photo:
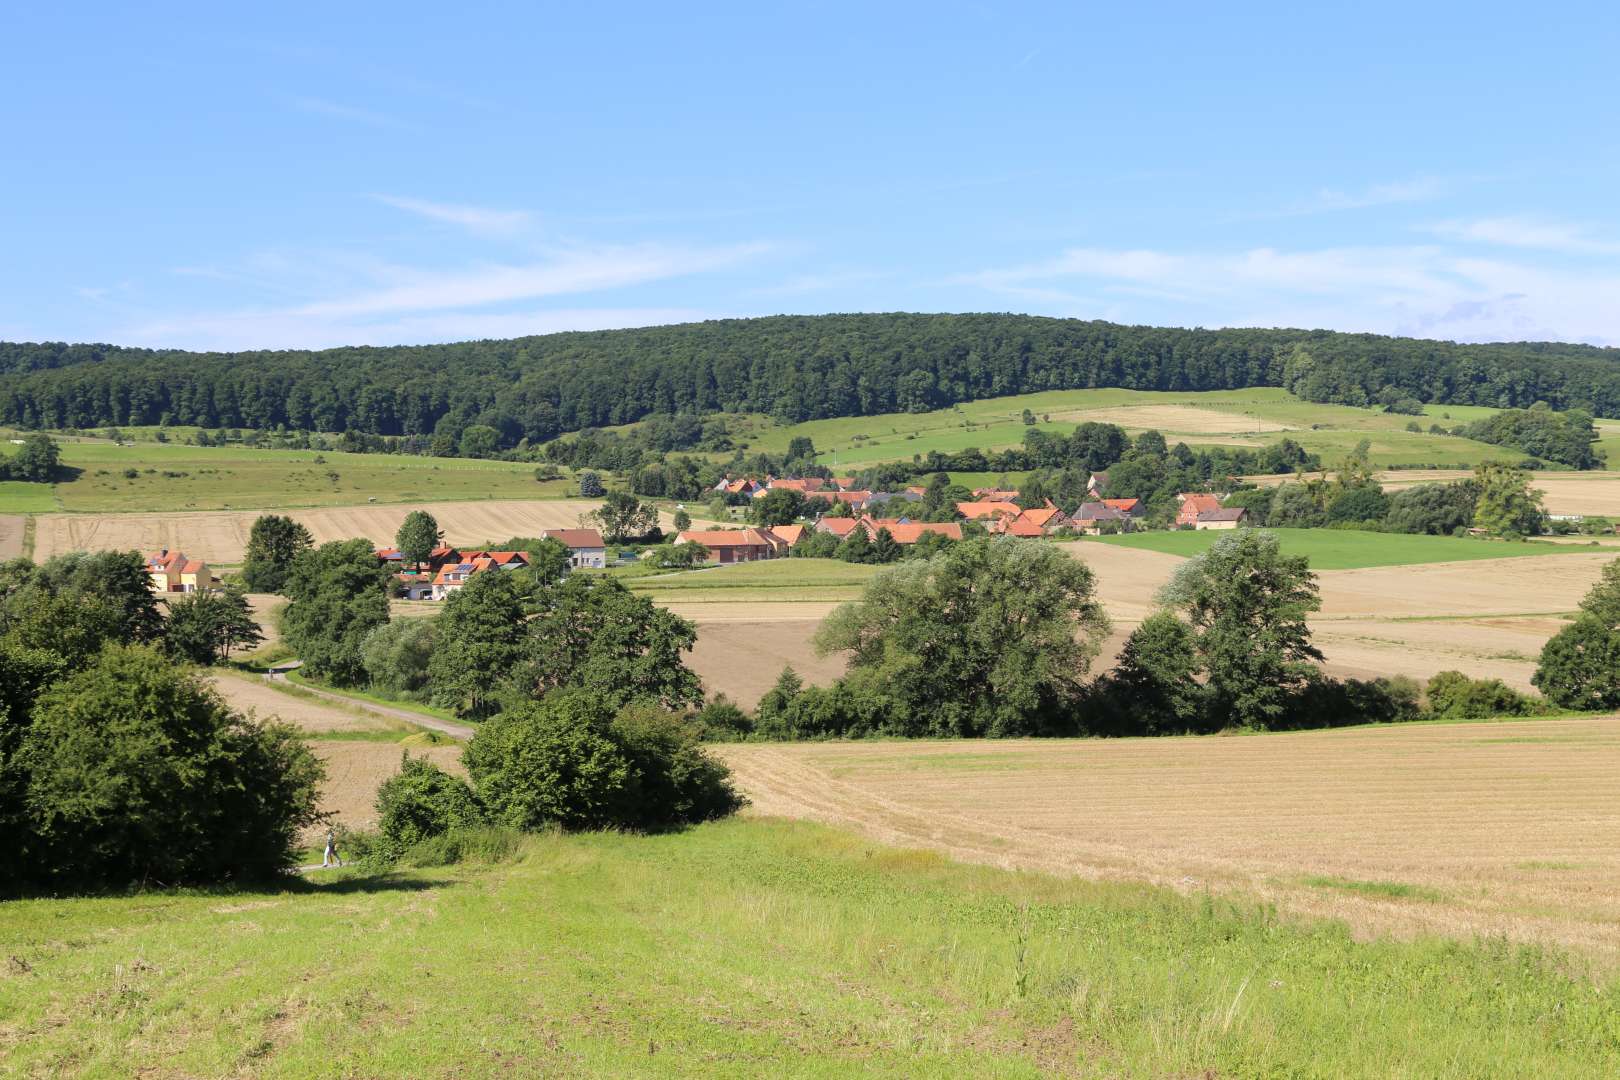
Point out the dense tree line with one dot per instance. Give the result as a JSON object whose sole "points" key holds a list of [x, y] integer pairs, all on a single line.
{"points": [[792, 367], [1566, 437]]}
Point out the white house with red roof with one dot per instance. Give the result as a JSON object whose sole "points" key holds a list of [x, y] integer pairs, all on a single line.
{"points": [[585, 546], [173, 572]]}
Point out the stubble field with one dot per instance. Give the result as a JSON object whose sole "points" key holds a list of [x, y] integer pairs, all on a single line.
{"points": [[220, 536], [1458, 829]]}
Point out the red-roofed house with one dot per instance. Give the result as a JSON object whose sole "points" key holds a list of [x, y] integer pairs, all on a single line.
{"points": [[585, 546], [909, 532], [1090, 518], [1049, 519], [788, 534], [172, 572], [1130, 507], [451, 577], [732, 545], [1018, 526], [1193, 504], [974, 511], [839, 527], [856, 500], [809, 485]]}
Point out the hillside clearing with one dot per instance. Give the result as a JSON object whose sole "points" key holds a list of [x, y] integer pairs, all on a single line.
{"points": [[750, 948], [1458, 809]]}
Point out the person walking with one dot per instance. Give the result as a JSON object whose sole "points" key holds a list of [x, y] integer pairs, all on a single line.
{"points": [[331, 855]]}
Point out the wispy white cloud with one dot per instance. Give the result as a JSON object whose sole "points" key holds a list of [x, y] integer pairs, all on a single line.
{"points": [[477, 218], [1533, 233], [323, 107], [381, 303], [1428, 290], [1334, 200]]}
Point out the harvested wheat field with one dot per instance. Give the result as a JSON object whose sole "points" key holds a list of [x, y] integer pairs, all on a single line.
{"points": [[220, 536], [1506, 828], [12, 527], [355, 770], [742, 659]]}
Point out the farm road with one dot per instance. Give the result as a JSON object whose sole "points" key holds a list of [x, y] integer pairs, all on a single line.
{"points": [[446, 727]]}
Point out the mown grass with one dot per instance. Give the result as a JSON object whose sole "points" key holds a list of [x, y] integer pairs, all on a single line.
{"points": [[1346, 549], [1389, 890], [996, 423], [174, 476], [759, 947], [765, 574]]}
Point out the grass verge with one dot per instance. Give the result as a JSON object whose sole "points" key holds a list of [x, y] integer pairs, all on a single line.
{"points": [[1347, 549], [761, 947]]}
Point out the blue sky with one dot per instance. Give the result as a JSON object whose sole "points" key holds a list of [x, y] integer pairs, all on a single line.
{"points": [[301, 176]]}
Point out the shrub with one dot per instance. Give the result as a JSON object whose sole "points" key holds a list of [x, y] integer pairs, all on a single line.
{"points": [[568, 761], [477, 844], [396, 655], [1453, 695], [422, 801], [722, 721], [136, 772]]}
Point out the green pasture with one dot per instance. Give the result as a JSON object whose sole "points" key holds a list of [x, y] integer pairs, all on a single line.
{"points": [[1346, 549]]}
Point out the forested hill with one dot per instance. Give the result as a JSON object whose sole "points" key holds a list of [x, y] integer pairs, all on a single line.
{"points": [[793, 367]]}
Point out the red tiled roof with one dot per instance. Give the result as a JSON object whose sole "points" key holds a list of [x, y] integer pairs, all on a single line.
{"points": [[1200, 503], [1040, 515], [718, 538], [909, 532], [791, 534], [1123, 505], [972, 510], [1020, 527], [851, 497], [574, 538], [839, 527]]}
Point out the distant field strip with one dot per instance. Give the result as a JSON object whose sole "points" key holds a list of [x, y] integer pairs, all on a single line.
{"points": [[220, 536], [12, 527], [1593, 492], [1469, 816], [1335, 549]]}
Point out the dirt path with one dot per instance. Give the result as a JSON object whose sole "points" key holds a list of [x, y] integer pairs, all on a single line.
{"points": [[433, 723]]}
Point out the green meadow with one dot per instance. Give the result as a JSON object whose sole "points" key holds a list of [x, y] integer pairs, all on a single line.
{"points": [[763, 947], [176, 476], [768, 580], [1347, 549], [1227, 418]]}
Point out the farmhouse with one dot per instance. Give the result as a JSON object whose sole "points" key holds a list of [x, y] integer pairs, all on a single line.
{"points": [[809, 485], [790, 535], [1128, 507], [975, 511], [839, 527], [733, 545], [1092, 517], [1048, 519], [907, 532], [172, 572], [585, 546], [1221, 518], [1194, 504], [1097, 485]]}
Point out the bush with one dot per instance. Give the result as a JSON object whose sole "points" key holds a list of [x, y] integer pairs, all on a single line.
{"points": [[1335, 703], [136, 772], [477, 844], [570, 762], [1454, 696], [722, 721], [396, 655], [422, 801]]}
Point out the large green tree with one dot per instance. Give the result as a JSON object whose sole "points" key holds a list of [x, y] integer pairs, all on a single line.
{"points": [[36, 462], [480, 640], [623, 516], [73, 603], [338, 593], [1580, 666], [204, 627], [1248, 603], [1506, 505], [418, 535], [592, 632], [992, 636], [274, 541]]}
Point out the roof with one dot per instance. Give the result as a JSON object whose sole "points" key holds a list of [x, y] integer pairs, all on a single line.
{"points": [[1124, 505], [1198, 503], [389, 554], [193, 566], [574, 538], [718, 538], [808, 484], [1040, 515], [839, 527], [1235, 513], [909, 532], [971, 510], [792, 534], [166, 560], [1096, 511], [849, 496], [1020, 527]]}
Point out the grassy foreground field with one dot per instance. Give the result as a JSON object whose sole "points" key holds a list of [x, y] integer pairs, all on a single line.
{"points": [[762, 947], [1344, 549]]}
